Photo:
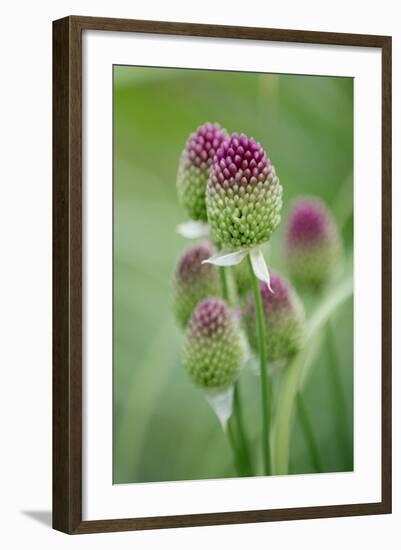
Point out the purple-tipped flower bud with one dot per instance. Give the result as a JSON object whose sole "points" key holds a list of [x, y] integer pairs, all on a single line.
{"points": [[194, 168], [313, 245], [243, 196], [194, 281], [213, 350], [284, 320]]}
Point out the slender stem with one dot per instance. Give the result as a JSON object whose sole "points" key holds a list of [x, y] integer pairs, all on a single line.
{"points": [[339, 398], [264, 378], [313, 448], [224, 284], [234, 446], [241, 430], [239, 443]]}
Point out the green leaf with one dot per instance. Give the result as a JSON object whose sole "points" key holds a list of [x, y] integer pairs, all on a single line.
{"points": [[297, 372]]}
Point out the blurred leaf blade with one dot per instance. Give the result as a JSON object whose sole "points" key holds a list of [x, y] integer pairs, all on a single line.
{"points": [[296, 373]]}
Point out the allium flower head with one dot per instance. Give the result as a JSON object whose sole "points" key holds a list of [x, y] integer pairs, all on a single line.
{"points": [[213, 350], [194, 168], [243, 196], [194, 281], [313, 244], [284, 320]]}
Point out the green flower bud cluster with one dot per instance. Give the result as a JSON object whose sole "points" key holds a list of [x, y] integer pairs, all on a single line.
{"points": [[313, 244], [213, 351], [194, 281], [243, 195], [194, 168], [284, 320]]}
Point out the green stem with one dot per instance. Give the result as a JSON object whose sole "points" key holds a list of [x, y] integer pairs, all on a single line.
{"points": [[241, 431], [234, 446], [238, 441], [224, 284], [309, 435], [264, 378], [339, 398]]}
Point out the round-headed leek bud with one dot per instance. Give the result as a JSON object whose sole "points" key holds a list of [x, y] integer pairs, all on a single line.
{"points": [[313, 244], [284, 320], [244, 195], [194, 168], [213, 348], [194, 281]]}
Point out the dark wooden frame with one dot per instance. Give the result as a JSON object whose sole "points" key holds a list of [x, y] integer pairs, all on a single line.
{"points": [[67, 274]]}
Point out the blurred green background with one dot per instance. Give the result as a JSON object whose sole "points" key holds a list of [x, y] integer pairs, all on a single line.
{"points": [[163, 427]]}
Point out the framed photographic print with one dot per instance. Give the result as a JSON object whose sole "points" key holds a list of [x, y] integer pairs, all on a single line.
{"points": [[222, 274]]}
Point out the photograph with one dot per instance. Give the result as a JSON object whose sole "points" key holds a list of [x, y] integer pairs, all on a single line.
{"points": [[200, 321], [233, 257]]}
